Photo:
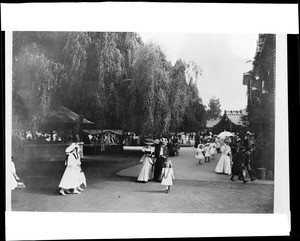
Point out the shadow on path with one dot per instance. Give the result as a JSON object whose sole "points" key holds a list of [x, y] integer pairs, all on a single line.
{"points": [[150, 191]]}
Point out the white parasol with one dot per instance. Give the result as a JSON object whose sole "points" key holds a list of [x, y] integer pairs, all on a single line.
{"points": [[224, 134]]}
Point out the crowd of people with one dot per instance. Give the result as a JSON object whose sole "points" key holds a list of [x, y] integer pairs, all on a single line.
{"points": [[155, 165], [237, 154], [236, 159]]}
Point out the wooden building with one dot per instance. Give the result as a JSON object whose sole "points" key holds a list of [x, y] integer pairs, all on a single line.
{"points": [[231, 121]]}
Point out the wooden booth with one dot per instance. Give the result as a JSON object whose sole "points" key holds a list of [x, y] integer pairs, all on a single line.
{"points": [[103, 141]]}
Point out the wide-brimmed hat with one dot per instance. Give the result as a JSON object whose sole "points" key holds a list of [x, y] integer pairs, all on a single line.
{"points": [[148, 141], [72, 147]]}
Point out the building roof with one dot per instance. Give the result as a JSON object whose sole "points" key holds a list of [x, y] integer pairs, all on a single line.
{"points": [[235, 116], [210, 123], [64, 115]]}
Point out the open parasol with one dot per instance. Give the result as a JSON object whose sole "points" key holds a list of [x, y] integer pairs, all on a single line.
{"points": [[225, 134]]}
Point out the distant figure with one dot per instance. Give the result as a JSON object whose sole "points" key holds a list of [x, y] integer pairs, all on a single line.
{"points": [[212, 149], [147, 172], [197, 140], [218, 145], [248, 162], [199, 153], [207, 152], [167, 175]]}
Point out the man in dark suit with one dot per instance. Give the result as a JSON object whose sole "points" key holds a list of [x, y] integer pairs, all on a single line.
{"points": [[248, 162], [238, 161], [197, 139], [161, 154]]}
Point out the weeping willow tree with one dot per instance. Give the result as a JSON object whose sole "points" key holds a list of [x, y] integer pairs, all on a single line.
{"points": [[96, 64], [165, 98], [112, 79], [35, 79]]}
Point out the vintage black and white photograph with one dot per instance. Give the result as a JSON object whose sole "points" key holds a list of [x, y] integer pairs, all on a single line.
{"points": [[144, 122]]}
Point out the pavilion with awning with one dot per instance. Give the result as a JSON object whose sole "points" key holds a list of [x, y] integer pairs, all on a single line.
{"points": [[64, 115], [65, 123]]}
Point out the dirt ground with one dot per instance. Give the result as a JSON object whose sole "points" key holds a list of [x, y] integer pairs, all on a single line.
{"points": [[112, 187]]}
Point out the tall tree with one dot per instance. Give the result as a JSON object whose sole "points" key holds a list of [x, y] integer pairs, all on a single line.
{"points": [[35, 79], [113, 79], [214, 110], [149, 105], [178, 95]]}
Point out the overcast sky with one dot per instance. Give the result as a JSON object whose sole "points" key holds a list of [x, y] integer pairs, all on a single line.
{"points": [[222, 57]]}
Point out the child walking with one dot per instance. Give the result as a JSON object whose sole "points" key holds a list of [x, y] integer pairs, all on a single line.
{"points": [[212, 149], [207, 152], [199, 154], [167, 175]]}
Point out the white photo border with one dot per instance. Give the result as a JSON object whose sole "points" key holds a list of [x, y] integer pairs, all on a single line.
{"points": [[135, 17]]}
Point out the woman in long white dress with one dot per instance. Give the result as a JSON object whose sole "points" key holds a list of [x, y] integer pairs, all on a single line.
{"points": [[147, 171], [224, 165], [73, 176], [13, 184]]}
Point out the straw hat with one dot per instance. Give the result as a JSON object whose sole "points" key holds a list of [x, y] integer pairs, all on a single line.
{"points": [[71, 148], [149, 142], [200, 146]]}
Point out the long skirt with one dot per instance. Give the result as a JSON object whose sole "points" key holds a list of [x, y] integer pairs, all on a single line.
{"points": [[146, 172], [158, 168], [223, 165], [237, 164], [82, 179], [12, 182], [72, 178]]}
